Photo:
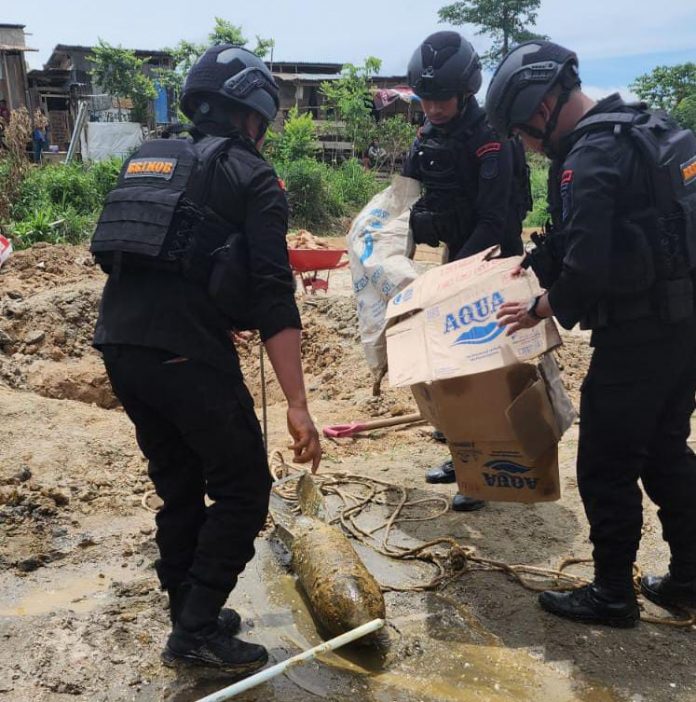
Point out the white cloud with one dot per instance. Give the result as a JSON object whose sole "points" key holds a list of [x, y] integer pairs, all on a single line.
{"points": [[607, 28]]}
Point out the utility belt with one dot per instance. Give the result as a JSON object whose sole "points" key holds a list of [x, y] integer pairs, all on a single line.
{"points": [[669, 301]]}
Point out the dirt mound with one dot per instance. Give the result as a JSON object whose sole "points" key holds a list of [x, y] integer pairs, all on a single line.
{"points": [[43, 267], [83, 379], [45, 343], [334, 364], [51, 324]]}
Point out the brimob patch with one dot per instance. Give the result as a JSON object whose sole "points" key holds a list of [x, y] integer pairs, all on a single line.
{"points": [[688, 170], [151, 168]]}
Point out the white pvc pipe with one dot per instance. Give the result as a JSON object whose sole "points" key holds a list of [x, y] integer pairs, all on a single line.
{"points": [[264, 675]]}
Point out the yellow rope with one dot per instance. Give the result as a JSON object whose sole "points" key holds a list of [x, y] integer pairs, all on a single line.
{"points": [[456, 559]]}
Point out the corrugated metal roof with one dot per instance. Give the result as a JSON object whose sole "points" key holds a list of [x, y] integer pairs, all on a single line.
{"points": [[324, 64], [11, 47], [66, 48], [289, 77]]}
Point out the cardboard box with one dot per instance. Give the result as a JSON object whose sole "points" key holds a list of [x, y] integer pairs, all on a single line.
{"points": [[473, 382], [453, 331], [501, 432]]}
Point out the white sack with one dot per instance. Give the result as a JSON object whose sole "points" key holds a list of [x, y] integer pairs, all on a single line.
{"points": [[379, 246]]}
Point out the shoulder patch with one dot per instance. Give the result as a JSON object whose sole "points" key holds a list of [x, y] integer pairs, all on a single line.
{"points": [[489, 167], [688, 170], [491, 147], [566, 177]]}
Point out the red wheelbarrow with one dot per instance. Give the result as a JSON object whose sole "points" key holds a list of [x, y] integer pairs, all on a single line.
{"points": [[307, 263]]}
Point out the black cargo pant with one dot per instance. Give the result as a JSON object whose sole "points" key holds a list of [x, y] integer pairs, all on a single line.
{"points": [[635, 415], [198, 430]]}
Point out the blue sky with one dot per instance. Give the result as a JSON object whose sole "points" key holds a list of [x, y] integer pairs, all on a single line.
{"points": [[616, 40]]}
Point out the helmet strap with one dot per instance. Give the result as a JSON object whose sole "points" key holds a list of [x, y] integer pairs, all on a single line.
{"points": [[261, 132], [553, 122]]}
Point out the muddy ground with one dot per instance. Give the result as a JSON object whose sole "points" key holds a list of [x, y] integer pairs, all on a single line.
{"points": [[80, 612]]}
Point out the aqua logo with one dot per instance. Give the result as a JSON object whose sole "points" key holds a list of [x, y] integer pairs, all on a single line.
{"points": [[474, 314], [479, 335], [504, 479], [507, 466]]}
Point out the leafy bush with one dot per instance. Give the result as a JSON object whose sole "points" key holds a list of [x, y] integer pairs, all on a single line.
{"points": [[297, 140], [313, 200], [59, 203], [60, 185], [105, 174], [354, 184], [46, 224], [539, 174], [318, 192]]}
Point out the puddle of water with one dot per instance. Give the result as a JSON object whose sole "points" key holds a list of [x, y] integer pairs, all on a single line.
{"points": [[452, 663], [62, 589], [457, 672]]}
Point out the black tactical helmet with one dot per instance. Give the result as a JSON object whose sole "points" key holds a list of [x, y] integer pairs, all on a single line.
{"points": [[226, 76], [524, 78], [444, 65]]}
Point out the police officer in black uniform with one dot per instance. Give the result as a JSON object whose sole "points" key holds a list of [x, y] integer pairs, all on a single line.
{"points": [[619, 262], [168, 346], [476, 186]]}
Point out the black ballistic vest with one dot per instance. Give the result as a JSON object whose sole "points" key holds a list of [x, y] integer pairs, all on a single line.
{"points": [[157, 217], [449, 170], [660, 245]]}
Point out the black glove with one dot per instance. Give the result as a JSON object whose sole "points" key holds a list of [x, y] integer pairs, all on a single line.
{"points": [[546, 258], [423, 225]]}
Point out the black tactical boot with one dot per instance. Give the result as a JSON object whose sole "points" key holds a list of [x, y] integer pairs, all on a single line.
{"points": [[463, 503], [443, 473], [197, 638], [667, 592], [228, 619], [593, 604]]}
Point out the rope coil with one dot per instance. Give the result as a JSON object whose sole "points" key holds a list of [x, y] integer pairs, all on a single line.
{"points": [[449, 558]]}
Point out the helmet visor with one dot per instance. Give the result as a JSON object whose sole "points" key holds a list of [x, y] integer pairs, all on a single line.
{"points": [[427, 87]]}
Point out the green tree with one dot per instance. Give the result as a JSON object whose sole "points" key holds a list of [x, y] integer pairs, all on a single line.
{"points": [[351, 99], [507, 22], [185, 53], [119, 72], [685, 112], [395, 136], [666, 86]]}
